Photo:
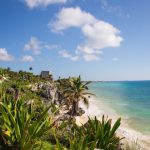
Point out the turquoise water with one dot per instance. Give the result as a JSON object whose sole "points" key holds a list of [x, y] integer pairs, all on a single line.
{"points": [[130, 99]]}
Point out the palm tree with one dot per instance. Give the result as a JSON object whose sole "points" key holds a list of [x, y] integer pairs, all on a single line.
{"points": [[30, 68], [77, 91], [8, 69]]}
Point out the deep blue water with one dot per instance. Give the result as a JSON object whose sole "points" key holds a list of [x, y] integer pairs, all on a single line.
{"points": [[130, 99]]}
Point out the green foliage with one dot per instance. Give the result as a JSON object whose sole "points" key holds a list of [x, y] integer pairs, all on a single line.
{"points": [[81, 142], [75, 143], [74, 90], [43, 145], [94, 134], [100, 132], [21, 76], [25, 123], [18, 128]]}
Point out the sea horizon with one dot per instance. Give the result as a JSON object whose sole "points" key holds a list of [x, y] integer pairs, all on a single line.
{"points": [[117, 80]]}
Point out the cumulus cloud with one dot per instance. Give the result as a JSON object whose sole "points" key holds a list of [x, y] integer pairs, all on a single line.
{"points": [[4, 56], [71, 17], [35, 45], [42, 3], [98, 34], [27, 58], [66, 54]]}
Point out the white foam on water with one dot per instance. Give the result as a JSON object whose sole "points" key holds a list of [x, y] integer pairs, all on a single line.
{"points": [[98, 108]]}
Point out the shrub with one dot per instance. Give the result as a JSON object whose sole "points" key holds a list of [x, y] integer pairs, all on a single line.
{"points": [[18, 128], [100, 132]]}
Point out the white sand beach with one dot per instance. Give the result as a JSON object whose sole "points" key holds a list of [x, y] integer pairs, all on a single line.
{"points": [[97, 108]]}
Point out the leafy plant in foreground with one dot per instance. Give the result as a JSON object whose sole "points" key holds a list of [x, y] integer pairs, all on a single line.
{"points": [[100, 132], [18, 129], [76, 143], [93, 134]]}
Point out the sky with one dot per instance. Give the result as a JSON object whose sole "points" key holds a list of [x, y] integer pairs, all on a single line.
{"points": [[97, 39]]}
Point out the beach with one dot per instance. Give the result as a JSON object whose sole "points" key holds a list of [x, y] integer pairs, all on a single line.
{"points": [[98, 108]]}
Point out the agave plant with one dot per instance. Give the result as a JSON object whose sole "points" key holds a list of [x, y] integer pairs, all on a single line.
{"points": [[100, 132], [77, 142], [93, 135], [81, 143], [18, 128]]}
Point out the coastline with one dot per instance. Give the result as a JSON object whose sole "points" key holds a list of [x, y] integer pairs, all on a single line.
{"points": [[97, 108]]}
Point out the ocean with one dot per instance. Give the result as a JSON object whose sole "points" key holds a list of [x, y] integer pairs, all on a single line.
{"points": [[129, 99]]}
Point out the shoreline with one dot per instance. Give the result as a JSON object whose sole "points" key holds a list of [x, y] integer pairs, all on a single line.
{"points": [[98, 108]]}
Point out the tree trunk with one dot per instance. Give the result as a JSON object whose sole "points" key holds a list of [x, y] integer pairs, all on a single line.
{"points": [[74, 108]]}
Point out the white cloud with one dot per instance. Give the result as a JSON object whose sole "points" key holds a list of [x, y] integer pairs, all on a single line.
{"points": [[51, 47], [107, 7], [66, 54], [90, 57], [113, 9], [42, 3], [98, 34], [27, 58], [35, 45], [4, 56], [71, 17]]}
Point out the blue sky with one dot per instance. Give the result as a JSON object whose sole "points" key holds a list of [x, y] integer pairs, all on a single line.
{"points": [[98, 39]]}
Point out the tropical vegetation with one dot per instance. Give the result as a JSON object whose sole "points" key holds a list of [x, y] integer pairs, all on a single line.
{"points": [[39, 114]]}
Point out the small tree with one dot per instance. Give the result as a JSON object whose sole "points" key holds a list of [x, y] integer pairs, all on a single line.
{"points": [[30, 68], [76, 91]]}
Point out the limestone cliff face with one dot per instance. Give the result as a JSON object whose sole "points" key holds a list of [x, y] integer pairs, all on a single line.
{"points": [[47, 90]]}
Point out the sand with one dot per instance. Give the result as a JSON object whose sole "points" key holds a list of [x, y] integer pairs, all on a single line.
{"points": [[97, 108]]}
